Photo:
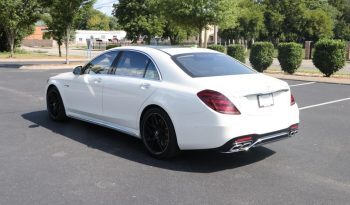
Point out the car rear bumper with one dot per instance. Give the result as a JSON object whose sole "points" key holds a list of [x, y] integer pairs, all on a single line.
{"points": [[203, 131], [237, 145]]}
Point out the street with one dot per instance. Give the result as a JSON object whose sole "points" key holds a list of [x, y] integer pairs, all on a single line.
{"points": [[44, 162]]}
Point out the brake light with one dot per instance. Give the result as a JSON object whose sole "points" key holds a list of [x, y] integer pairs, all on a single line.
{"points": [[218, 102], [292, 100]]}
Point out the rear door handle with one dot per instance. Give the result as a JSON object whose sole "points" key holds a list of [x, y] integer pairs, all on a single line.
{"points": [[145, 86]]}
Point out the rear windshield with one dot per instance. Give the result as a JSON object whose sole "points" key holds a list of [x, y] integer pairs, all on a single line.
{"points": [[210, 64]]}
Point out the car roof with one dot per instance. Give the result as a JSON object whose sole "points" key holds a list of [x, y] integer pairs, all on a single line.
{"points": [[169, 50]]}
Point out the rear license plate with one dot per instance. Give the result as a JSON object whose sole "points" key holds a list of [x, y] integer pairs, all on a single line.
{"points": [[265, 100]]}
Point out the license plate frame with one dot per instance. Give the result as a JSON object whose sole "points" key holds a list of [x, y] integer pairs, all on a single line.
{"points": [[265, 100]]}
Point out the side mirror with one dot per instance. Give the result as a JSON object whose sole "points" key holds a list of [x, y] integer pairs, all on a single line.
{"points": [[77, 70]]}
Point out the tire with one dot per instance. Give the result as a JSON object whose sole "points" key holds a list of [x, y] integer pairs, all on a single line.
{"points": [[158, 134], [55, 106]]}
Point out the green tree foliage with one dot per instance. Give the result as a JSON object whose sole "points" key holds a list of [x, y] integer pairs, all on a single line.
{"points": [[98, 21], [261, 55], [137, 19], [329, 56], [17, 19], [342, 23], [200, 14], [63, 14], [237, 51], [290, 56], [298, 20]]}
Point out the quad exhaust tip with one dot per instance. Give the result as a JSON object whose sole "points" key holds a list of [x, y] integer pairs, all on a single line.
{"points": [[245, 143]]}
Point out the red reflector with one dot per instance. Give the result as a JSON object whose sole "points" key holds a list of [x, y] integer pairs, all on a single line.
{"points": [[244, 139], [292, 100], [294, 127]]}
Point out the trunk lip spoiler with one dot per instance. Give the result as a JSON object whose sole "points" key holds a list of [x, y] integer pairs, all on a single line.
{"points": [[268, 92]]}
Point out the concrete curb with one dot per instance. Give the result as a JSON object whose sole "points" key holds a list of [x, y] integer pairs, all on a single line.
{"points": [[334, 80], [14, 60], [50, 66]]}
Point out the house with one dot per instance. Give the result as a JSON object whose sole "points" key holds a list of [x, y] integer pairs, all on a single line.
{"points": [[101, 36]]}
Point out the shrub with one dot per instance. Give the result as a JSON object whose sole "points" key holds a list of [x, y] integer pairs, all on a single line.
{"points": [[261, 55], [112, 46], [329, 56], [290, 56], [219, 48], [237, 51]]}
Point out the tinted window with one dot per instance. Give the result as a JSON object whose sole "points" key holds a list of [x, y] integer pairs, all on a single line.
{"points": [[151, 72], [132, 64], [101, 64], [210, 64]]}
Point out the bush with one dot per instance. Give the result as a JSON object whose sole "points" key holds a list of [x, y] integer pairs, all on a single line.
{"points": [[219, 48], [329, 56], [290, 56], [112, 46], [237, 51], [261, 55]]}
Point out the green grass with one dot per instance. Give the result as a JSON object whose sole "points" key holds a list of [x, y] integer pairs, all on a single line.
{"points": [[307, 72]]}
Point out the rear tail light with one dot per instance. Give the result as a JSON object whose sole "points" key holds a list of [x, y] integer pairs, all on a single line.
{"points": [[218, 102], [292, 100], [294, 127]]}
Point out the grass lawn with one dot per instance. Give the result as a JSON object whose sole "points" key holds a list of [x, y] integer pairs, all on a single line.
{"points": [[22, 54], [307, 72]]}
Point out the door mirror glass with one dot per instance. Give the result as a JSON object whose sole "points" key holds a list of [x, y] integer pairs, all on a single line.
{"points": [[77, 70]]}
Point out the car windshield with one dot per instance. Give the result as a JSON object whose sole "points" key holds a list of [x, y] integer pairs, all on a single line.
{"points": [[210, 64]]}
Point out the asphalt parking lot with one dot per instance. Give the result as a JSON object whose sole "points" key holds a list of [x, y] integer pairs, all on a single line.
{"points": [[43, 162]]}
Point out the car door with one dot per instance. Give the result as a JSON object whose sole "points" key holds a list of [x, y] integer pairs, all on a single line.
{"points": [[135, 79], [84, 92]]}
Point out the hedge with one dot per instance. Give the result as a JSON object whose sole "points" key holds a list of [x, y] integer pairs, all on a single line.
{"points": [[329, 56], [219, 48], [261, 55], [112, 46], [236, 51], [290, 56]]}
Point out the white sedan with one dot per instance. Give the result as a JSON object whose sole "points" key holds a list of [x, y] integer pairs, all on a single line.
{"points": [[176, 99]]}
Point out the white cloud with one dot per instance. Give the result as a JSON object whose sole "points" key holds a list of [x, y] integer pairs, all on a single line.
{"points": [[106, 6]]}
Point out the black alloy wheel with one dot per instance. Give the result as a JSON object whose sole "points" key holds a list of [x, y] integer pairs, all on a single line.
{"points": [[55, 106], [158, 134]]}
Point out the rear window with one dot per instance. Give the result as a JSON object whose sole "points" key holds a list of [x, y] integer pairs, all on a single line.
{"points": [[210, 64]]}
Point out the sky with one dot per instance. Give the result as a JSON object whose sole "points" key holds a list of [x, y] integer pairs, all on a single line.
{"points": [[105, 6]]}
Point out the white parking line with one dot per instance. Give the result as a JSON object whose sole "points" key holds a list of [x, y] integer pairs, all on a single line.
{"points": [[325, 103], [309, 83]]}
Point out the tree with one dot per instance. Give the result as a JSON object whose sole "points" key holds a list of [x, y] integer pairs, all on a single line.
{"points": [[17, 18], [201, 13], [98, 21], [137, 19], [342, 23], [56, 31], [63, 13]]}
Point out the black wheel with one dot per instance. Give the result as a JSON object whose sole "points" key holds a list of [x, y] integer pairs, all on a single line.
{"points": [[55, 106], [158, 134]]}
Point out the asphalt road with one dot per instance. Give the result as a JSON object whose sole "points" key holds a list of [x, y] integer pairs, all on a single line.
{"points": [[43, 162]]}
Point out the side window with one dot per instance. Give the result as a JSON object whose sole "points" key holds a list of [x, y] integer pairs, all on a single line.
{"points": [[151, 72], [132, 64], [101, 64]]}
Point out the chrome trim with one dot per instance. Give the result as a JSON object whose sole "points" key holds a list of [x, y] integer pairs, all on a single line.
{"points": [[245, 146], [268, 92]]}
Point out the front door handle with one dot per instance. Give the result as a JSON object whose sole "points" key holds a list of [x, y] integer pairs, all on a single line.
{"points": [[145, 86]]}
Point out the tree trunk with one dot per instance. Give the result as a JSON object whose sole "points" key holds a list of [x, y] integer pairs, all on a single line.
{"points": [[11, 42], [59, 49], [200, 40], [205, 38], [67, 44]]}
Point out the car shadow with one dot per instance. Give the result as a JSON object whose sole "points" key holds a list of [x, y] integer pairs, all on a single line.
{"points": [[130, 148]]}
